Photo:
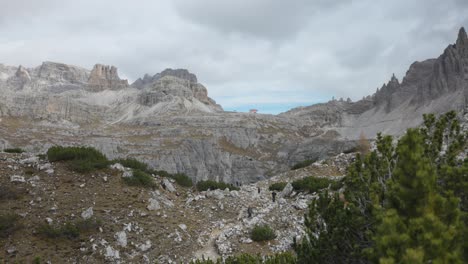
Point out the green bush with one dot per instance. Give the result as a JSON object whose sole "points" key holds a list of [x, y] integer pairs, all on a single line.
{"points": [[303, 164], [80, 159], [69, 230], [182, 179], [213, 185], [140, 178], [132, 163], [13, 150], [313, 184], [8, 224], [277, 186], [262, 233]]}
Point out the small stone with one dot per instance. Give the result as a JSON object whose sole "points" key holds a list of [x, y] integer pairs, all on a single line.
{"points": [[127, 174], [17, 178], [88, 213], [118, 166], [111, 253], [121, 238], [183, 227], [146, 246], [153, 205], [11, 250]]}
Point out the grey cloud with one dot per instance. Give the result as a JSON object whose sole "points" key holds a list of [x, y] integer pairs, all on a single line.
{"points": [[309, 49], [271, 19]]}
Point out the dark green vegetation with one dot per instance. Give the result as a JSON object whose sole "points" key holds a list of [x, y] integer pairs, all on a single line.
{"points": [[313, 184], [262, 233], [8, 193], [277, 186], [70, 230], [303, 164], [132, 163], [80, 159], [403, 203], [13, 150], [86, 159], [8, 224], [140, 178], [213, 185], [282, 258], [180, 178]]}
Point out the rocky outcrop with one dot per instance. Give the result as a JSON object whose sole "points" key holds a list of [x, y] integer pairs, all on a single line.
{"points": [[105, 77], [148, 80], [20, 79], [180, 73], [434, 85]]}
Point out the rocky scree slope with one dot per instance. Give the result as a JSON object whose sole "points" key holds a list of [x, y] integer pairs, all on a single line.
{"points": [[140, 225], [168, 120]]}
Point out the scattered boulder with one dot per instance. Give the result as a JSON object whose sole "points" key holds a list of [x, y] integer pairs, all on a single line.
{"points": [[88, 213], [111, 253], [153, 205], [169, 186], [288, 189], [216, 194], [118, 166], [121, 238], [17, 178], [127, 174]]}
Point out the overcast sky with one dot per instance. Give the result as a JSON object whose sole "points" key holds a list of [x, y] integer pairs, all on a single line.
{"points": [[265, 54]]}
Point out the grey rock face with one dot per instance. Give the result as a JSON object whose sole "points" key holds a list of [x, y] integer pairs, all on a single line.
{"points": [[105, 78], [169, 121], [147, 80]]}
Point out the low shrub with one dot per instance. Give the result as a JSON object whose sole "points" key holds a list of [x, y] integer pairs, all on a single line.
{"points": [[80, 159], [262, 233], [70, 230], [213, 185], [277, 186], [13, 150], [313, 184], [303, 164], [140, 178], [182, 179], [7, 193], [132, 163], [8, 224], [37, 260]]}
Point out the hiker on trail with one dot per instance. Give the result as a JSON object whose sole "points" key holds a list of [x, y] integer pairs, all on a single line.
{"points": [[258, 188], [273, 195], [163, 185], [249, 212]]}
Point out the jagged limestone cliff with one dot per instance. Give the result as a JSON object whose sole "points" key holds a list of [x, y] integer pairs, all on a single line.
{"points": [[169, 121]]}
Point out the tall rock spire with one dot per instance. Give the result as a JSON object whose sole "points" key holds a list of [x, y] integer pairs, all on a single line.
{"points": [[462, 40]]}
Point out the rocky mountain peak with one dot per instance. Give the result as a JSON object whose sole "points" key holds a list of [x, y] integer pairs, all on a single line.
{"points": [[105, 77], [104, 71], [148, 80], [22, 73], [462, 40], [180, 73]]}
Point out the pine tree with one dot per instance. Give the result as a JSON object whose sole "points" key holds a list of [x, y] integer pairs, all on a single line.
{"points": [[417, 224]]}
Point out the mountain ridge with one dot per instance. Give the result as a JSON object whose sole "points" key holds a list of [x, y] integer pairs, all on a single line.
{"points": [[169, 121]]}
